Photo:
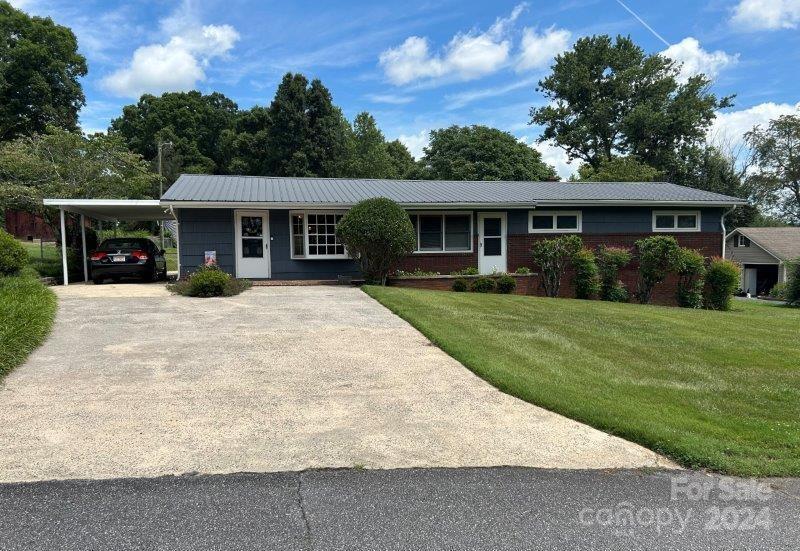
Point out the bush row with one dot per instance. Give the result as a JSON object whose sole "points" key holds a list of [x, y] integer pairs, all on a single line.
{"points": [[209, 281], [500, 283]]}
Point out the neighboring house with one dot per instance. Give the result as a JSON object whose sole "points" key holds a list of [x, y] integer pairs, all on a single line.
{"points": [[28, 226], [283, 228], [763, 254]]}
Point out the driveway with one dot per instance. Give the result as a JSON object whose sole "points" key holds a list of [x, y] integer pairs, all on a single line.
{"points": [[135, 382]]}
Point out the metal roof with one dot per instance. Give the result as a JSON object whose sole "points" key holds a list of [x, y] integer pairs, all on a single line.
{"points": [[291, 191], [113, 209]]}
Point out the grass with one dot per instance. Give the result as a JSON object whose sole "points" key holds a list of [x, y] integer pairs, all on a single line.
{"points": [[27, 309], [715, 390]]}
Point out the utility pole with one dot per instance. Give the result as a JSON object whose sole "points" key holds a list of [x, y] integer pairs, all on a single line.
{"points": [[161, 187]]}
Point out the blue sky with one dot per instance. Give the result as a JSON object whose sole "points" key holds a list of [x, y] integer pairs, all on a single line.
{"points": [[422, 65]]}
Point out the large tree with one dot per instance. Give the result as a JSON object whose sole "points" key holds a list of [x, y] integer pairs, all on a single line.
{"points": [[617, 169], [775, 178], [608, 98], [39, 71], [192, 121], [482, 153], [371, 155], [403, 163]]}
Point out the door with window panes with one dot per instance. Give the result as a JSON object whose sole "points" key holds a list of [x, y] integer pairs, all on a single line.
{"points": [[491, 242], [252, 244]]}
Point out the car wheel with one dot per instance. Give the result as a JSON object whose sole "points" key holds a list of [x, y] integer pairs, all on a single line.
{"points": [[97, 280], [150, 276], [164, 274]]}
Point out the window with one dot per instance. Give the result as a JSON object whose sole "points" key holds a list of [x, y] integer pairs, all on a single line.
{"points": [[676, 221], [741, 241], [443, 232], [555, 221], [314, 235]]}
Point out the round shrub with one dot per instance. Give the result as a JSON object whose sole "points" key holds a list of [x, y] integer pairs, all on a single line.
{"points": [[610, 260], [792, 293], [616, 293], [778, 291], [658, 256], [460, 285], [378, 233], [208, 281], [523, 270], [482, 285], [506, 284], [722, 278], [13, 256], [690, 266], [587, 278]]}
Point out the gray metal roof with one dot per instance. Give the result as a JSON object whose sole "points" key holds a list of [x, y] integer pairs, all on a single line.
{"points": [[292, 191]]}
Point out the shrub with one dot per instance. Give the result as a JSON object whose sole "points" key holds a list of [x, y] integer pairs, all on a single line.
{"points": [[506, 284], [523, 270], [610, 260], [13, 255], [657, 256], [587, 279], [471, 270], [778, 291], [460, 285], [691, 269], [417, 272], [210, 281], [378, 233], [793, 283], [482, 285], [552, 255], [722, 278]]}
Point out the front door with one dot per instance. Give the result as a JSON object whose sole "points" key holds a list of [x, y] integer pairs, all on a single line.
{"points": [[252, 244], [491, 242]]}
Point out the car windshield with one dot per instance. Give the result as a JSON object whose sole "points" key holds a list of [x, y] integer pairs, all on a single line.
{"points": [[120, 244]]}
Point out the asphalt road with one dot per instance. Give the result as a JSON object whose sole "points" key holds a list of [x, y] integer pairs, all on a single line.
{"points": [[464, 509]]}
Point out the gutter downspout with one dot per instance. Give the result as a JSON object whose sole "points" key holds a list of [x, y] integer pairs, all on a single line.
{"points": [[724, 232]]}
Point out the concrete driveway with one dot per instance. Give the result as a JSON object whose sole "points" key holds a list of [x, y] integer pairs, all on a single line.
{"points": [[134, 382]]}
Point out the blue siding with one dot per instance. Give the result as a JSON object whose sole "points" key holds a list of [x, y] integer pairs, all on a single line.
{"points": [[201, 230]]}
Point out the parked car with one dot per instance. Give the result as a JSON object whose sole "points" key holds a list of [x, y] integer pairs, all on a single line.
{"points": [[127, 257]]}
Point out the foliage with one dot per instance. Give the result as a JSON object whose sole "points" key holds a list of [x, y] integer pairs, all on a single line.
{"points": [[523, 270], [27, 310], [378, 233], [40, 68], [416, 272], [403, 164], [460, 285], [610, 260], [506, 284], [792, 294], [372, 158], [618, 169], [657, 257], [13, 256], [587, 276], [482, 153], [775, 182], [690, 266], [470, 270], [210, 281], [722, 278], [552, 255], [482, 285], [778, 291], [607, 98]]}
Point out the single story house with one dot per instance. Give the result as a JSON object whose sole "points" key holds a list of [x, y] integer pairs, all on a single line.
{"points": [[763, 254], [283, 227]]}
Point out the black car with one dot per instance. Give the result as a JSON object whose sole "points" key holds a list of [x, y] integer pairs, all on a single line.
{"points": [[127, 257]]}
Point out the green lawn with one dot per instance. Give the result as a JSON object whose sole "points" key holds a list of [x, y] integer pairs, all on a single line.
{"points": [[27, 309], [716, 390]]}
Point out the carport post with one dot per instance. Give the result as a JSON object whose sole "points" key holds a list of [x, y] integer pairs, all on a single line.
{"points": [[64, 247], [83, 243]]}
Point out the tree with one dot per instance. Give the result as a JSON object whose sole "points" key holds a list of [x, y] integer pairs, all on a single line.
{"points": [[608, 98], [403, 164], [793, 282], [371, 154], [610, 260], [482, 153], [330, 136], [192, 121], [552, 255], [618, 169], [691, 269], [775, 184], [658, 256], [39, 71], [378, 233]]}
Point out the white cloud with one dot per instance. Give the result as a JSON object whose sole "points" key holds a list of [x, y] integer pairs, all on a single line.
{"points": [[538, 50], [467, 56], [177, 65], [695, 59], [416, 142], [552, 155], [728, 128], [756, 15], [392, 99], [460, 99]]}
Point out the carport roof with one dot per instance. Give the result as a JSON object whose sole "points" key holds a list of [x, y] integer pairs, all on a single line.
{"points": [[113, 209]]}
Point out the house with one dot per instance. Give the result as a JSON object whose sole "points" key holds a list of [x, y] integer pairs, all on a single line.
{"points": [[284, 227], [763, 254], [28, 226]]}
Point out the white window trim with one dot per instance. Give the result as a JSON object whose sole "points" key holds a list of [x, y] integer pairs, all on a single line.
{"points": [[554, 214], [675, 214], [738, 238], [443, 213], [307, 256]]}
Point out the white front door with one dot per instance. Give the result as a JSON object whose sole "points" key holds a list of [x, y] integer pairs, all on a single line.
{"points": [[252, 244], [492, 248]]}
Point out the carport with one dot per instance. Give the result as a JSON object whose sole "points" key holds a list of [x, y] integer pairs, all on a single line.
{"points": [[130, 210]]}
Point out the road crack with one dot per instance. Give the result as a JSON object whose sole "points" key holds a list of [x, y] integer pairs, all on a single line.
{"points": [[302, 506]]}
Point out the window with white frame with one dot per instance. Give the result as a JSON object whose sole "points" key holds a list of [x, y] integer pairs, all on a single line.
{"points": [[556, 221], [740, 241], [314, 234], [442, 232], [676, 221]]}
